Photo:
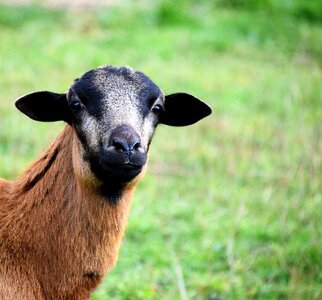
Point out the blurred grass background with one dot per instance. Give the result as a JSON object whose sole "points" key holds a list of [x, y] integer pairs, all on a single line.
{"points": [[230, 208]]}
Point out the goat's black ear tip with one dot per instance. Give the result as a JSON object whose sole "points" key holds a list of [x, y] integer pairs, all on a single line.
{"points": [[19, 104], [207, 110], [204, 109]]}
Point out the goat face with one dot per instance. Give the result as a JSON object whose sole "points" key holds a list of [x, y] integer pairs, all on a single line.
{"points": [[115, 112]]}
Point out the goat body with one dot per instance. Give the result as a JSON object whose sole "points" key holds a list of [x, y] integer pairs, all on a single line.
{"points": [[62, 222], [58, 238]]}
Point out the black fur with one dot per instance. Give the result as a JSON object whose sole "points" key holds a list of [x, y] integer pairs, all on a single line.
{"points": [[182, 109], [45, 106]]}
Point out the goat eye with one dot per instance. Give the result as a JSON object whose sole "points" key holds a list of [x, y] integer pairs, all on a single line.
{"points": [[157, 109], [75, 105]]}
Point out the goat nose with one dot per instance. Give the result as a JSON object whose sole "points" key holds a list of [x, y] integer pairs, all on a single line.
{"points": [[125, 139], [126, 145]]}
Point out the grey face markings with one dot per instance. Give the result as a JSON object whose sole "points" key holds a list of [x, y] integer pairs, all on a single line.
{"points": [[107, 97]]}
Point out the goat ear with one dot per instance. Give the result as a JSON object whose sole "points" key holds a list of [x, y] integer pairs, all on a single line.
{"points": [[183, 109], [45, 106]]}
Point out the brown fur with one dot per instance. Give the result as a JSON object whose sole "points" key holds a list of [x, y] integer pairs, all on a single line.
{"points": [[58, 236]]}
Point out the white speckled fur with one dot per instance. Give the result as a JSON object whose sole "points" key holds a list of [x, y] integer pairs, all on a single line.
{"points": [[119, 106]]}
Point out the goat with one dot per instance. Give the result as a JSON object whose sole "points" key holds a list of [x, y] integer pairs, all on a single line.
{"points": [[62, 222]]}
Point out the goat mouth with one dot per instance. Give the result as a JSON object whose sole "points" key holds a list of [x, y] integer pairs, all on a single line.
{"points": [[116, 168], [121, 167], [124, 171]]}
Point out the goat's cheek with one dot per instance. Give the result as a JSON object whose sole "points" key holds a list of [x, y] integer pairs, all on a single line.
{"points": [[91, 130], [147, 132]]}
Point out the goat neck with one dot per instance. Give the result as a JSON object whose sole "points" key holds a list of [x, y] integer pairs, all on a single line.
{"points": [[62, 223]]}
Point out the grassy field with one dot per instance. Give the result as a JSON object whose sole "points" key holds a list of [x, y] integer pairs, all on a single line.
{"points": [[230, 208]]}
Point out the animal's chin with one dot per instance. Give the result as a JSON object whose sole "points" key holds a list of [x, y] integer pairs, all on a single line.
{"points": [[114, 177]]}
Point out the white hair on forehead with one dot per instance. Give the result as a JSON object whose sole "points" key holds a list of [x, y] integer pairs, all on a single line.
{"points": [[123, 112], [113, 67], [119, 105]]}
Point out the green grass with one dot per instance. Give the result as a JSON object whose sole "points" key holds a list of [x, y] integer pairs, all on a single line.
{"points": [[231, 207]]}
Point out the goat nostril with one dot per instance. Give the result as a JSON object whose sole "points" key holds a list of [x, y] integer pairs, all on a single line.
{"points": [[136, 146], [120, 145]]}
